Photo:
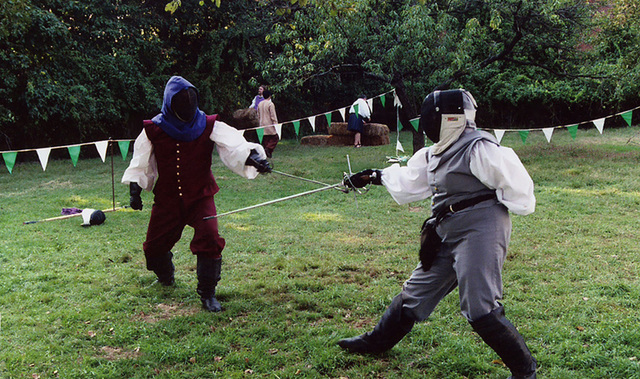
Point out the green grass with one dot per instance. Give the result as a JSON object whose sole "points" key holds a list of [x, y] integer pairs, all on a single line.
{"points": [[299, 275]]}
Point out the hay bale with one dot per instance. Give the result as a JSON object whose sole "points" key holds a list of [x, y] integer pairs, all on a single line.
{"points": [[373, 135], [329, 140], [319, 140], [375, 140], [341, 140], [245, 118], [339, 129]]}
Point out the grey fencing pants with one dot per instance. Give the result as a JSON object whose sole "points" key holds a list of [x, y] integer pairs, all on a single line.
{"points": [[474, 248]]}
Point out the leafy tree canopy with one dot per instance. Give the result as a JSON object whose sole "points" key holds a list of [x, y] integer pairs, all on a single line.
{"points": [[75, 70], [504, 50]]}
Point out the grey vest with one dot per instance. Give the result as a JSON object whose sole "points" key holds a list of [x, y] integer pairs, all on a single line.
{"points": [[450, 174]]}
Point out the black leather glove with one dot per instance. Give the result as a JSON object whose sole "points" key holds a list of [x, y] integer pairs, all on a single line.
{"points": [[135, 201], [254, 160], [363, 178]]}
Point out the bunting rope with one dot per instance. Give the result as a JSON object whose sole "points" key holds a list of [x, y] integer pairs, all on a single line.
{"points": [[124, 144], [627, 116], [548, 131], [67, 146], [74, 152]]}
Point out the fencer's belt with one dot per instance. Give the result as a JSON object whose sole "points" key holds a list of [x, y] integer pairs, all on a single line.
{"points": [[457, 207]]}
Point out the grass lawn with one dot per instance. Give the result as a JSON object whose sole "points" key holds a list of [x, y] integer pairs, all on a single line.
{"points": [[299, 275]]}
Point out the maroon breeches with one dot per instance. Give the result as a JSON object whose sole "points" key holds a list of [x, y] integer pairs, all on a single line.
{"points": [[270, 141], [168, 220]]}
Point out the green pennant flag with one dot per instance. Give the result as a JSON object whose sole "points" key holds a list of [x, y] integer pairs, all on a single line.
{"points": [[399, 124], [383, 99], [523, 135], [260, 132], [74, 153], [355, 109], [124, 148], [415, 123], [296, 127], [627, 117], [328, 116], [573, 131], [10, 160]]}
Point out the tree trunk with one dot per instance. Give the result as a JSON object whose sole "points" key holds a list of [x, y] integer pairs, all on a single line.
{"points": [[407, 111]]}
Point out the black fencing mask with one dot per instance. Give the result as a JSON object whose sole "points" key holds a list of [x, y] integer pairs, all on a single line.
{"points": [[184, 104], [440, 103]]}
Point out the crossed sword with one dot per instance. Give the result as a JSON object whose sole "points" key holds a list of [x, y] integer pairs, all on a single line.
{"points": [[342, 187]]}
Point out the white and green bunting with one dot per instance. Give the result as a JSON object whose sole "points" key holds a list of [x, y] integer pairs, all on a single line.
{"points": [[73, 150], [572, 128], [10, 157]]}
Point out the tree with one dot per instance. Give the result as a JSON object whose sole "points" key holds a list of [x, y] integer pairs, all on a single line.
{"points": [[421, 46], [93, 69], [613, 45], [73, 70]]}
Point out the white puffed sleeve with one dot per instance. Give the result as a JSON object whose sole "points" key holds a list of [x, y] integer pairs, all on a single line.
{"points": [[409, 183], [499, 168], [142, 168], [234, 149]]}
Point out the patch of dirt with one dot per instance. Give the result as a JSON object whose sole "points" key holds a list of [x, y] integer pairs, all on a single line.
{"points": [[115, 353], [166, 312], [359, 323]]}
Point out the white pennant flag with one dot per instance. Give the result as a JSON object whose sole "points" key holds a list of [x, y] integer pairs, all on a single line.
{"points": [[101, 146], [396, 100], [399, 146], [548, 132], [312, 121], [342, 112], [599, 123], [279, 130], [43, 154], [499, 134], [370, 104]]}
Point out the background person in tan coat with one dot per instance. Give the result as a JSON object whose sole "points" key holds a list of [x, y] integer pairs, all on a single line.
{"points": [[268, 118]]}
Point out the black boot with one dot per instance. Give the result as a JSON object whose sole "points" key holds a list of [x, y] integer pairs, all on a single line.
{"points": [[208, 270], [500, 334], [391, 328], [163, 267]]}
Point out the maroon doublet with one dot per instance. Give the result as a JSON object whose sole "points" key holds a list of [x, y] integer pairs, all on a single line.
{"points": [[183, 194]]}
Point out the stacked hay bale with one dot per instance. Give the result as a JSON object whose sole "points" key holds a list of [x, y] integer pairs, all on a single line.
{"points": [[373, 135], [245, 118]]}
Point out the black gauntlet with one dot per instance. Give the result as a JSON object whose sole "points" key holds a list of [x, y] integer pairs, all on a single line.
{"points": [[262, 165], [363, 178], [135, 201]]}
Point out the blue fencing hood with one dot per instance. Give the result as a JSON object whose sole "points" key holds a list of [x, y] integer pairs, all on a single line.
{"points": [[169, 121]]}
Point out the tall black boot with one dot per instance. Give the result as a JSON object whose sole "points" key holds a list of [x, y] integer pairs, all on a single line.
{"points": [[500, 334], [208, 270], [391, 328], [163, 267]]}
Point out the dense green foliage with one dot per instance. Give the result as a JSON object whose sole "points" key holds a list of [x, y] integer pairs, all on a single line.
{"points": [[527, 59], [74, 71], [93, 69], [299, 275]]}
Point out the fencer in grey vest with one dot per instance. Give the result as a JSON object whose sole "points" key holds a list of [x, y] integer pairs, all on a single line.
{"points": [[473, 183], [451, 180]]}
